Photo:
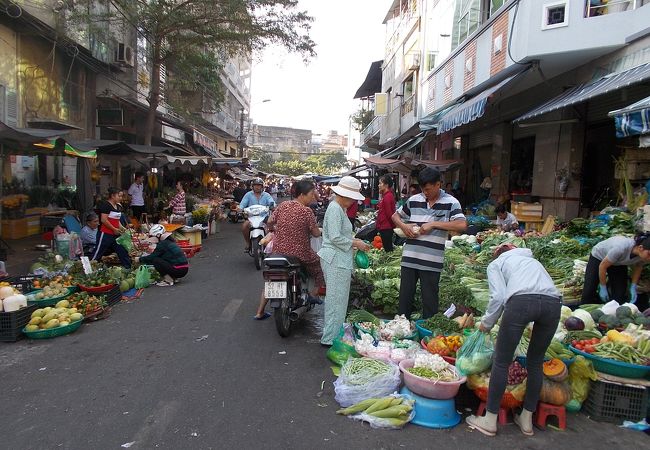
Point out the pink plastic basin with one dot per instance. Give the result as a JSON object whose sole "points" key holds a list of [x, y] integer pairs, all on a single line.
{"points": [[437, 390]]}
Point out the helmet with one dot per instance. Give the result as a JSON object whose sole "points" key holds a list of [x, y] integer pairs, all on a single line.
{"points": [[257, 181], [156, 230]]}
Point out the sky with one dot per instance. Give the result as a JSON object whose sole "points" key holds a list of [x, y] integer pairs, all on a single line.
{"points": [[349, 36]]}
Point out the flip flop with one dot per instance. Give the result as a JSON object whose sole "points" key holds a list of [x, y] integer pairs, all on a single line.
{"points": [[474, 426], [164, 284], [265, 316], [247, 250]]}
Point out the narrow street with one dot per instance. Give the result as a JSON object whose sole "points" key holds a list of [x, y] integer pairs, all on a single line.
{"points": [[187, 368]]}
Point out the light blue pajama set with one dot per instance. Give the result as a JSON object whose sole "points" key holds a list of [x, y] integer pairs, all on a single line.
{"points": [[336, 259]]}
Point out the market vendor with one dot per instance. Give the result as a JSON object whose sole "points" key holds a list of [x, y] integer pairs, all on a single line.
{"points": [[136, 191], [606, 275], [386, 209], [89, 234], [110, 229], [336, 255], [177, 203], [426, 219], [506, 221], [168, 258], [524, 292]]}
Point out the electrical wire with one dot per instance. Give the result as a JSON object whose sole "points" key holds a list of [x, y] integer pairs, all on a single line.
{"points": [[510, 38]]}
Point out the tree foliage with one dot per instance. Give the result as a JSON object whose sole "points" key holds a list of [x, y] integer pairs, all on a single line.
{"points": [[362, 118], [179, 31], [290, 163]]}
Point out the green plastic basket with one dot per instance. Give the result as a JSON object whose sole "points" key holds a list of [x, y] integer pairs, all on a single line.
{"points": [[612, 367], [53, 332], [48, 301]]}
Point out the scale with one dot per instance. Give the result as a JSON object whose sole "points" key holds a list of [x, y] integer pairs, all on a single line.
{"points": [[433, 413]]}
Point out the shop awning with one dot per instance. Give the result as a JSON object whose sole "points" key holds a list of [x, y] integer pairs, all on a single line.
{"points": [[49, 124], [632, 120], [430, 122], [469, 110], [406, 166], [405, 147], [356, 170], [193, 160], [372, 83], [68, 148], [26, 136], [584, 92]]}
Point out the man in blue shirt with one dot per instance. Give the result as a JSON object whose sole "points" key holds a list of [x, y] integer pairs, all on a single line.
{"points": [[255, 197]]}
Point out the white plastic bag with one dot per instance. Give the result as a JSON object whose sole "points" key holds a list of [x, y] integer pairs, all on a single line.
{"points": [[377, 422], [350, 392]]}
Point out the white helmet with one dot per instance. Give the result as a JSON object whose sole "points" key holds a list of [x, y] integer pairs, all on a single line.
{"points": [[156, 230]]}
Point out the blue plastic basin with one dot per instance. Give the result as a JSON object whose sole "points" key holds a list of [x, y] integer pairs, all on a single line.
{"points": [[433, 413]]}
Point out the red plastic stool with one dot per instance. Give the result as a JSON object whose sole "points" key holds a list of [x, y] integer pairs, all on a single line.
{"points": [[546, 410], [502, 417]]}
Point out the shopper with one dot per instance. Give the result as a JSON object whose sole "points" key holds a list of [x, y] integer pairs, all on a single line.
{"points": [[136, 191], [294, 224], [521, 288], [177, 203], [110, 229], [336, 255], [606, 276], [506, 221], [352, 213], [426, 219], [386, 207], [168, 258]]}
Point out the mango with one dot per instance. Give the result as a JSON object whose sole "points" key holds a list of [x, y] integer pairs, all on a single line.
{"points": [[38, 313], [49, 316], [72, 310], [52, 324], [64, 323], [76, 316], [63, 304], [35, 320], [32, 328], [47, 309]]}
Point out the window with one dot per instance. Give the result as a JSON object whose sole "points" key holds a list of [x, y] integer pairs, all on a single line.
{"points": [[407, 87], [431, 60], [467, 18], [555, 15]]}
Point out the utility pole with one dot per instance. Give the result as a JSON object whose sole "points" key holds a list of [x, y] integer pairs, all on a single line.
{"points": [[241, 132]]}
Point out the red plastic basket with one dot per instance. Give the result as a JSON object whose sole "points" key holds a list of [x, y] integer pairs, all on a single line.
{"points": [[97, 289]]}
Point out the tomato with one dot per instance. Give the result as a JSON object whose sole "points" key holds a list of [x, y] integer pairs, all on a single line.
{"points": [[589, 349], [574, 342], [595, 340], [579, 346]]}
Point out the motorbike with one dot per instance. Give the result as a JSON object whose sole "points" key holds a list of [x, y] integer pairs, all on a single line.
{"points": [[286, 289], [369, 231], [257, 215], [232, 211]]}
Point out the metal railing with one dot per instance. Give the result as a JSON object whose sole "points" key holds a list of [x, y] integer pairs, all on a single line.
{"points": [[372, 129], [408, 105], [595, 8]]}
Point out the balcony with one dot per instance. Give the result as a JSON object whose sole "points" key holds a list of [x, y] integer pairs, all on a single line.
{"points": [[390, 127], [372, 129]]}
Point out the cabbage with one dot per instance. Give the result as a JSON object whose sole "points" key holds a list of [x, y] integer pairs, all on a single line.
{"points": [[633, 307], [565, 314], [585, 317]]}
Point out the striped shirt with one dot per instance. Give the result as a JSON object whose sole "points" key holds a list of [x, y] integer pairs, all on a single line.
{"points": [[427, 251]]}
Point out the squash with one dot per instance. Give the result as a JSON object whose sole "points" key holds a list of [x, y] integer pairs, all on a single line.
{"points": [[555, 393], [555, 370]]}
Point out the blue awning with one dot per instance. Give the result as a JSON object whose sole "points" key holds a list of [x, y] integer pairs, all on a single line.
{"points": [[584, 92], [632, 120], [430, 122], [405, 147], [469, 110]]}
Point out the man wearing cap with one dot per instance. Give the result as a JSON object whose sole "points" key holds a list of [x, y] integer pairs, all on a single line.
{"points": [[255, 197], [426, 219]]}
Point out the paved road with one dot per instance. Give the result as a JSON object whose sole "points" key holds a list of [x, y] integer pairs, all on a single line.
{"points": [[187, 368]]}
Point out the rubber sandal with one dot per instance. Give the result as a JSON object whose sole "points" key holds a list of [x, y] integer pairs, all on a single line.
{"points": [[164, 284], [266, 315], [247, 250], [474, 426], [525, 432]]}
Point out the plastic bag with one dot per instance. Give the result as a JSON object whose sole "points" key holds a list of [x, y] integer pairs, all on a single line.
{"points": [[377, 422], [125, 240], [475, 356], [580, 372], [142, 277], [341, 348], [349, 391]]}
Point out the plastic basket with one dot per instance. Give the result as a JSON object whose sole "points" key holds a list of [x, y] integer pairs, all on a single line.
{"points": [[438, 390], [411, 337], [451, 360], [48, 301], [612, 367], [97, 289], [54, 332], [113, 296], [613, 402], [12, 323], [23, 282]]}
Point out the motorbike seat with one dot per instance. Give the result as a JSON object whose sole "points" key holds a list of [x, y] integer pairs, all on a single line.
{"points": [[276, 260]]}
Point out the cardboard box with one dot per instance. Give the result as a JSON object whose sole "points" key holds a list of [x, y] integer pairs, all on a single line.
{"points": [[530, 210], [14, 228], [33, 225]]}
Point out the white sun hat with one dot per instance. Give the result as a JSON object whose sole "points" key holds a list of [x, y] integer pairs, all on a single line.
{"points": [[349, 187]]}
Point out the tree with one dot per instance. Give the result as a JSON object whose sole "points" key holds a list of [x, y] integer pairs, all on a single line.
{"points": [[196, 34], [290, 168], [362, 118], [326, 163], [264, 160]]}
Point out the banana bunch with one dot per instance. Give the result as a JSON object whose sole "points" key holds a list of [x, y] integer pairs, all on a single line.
{"points": [[396, 411]]}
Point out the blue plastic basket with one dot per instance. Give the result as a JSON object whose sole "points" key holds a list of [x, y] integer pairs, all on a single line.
{"points": [[613, 367]]}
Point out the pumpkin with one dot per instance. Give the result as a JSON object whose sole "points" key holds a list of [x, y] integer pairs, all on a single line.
{"points": [[555, 393], [555, 370]]}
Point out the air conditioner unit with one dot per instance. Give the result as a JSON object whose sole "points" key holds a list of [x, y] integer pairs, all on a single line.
{"points": [[413, 61], [124, 55]]}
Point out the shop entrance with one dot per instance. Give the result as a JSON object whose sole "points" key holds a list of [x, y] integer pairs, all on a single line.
{"points": [[598, 183], [522, 158]]}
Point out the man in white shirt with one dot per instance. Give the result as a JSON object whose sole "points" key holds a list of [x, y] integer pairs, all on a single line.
{"points": [[136, 191]]}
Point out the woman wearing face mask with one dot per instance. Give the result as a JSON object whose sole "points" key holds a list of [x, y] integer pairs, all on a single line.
{"points": [[336, 255], [168, 258], [606, 276]]}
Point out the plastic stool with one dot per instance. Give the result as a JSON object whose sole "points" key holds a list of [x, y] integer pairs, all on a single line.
{"points": [[503, 413], [546, 410]]}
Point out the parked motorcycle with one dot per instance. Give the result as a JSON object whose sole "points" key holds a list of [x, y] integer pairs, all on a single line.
{"points": [[286, 289], [256, 216]]}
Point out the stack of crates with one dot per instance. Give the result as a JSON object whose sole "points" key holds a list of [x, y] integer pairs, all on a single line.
{"points": [[616, 402]]}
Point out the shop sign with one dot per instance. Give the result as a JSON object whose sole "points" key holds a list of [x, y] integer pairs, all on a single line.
{"points": [[208, 144], [173, 134]]}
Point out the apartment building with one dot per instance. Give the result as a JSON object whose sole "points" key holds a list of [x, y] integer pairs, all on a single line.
{"points": [[519, 91]]}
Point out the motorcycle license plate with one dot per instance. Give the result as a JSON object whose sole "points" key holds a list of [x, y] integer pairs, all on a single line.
{"points": [[275, 289]]}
